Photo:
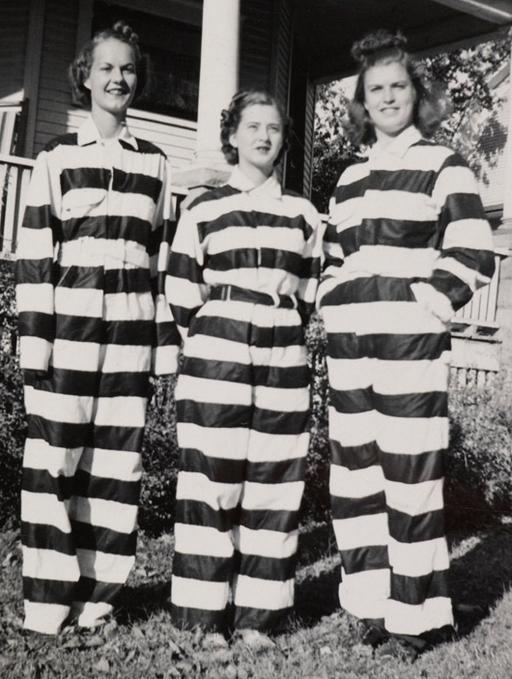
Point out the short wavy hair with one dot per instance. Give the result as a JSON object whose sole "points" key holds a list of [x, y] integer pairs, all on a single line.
{"points": [[382, 47], [231, 116], [80, 68]]}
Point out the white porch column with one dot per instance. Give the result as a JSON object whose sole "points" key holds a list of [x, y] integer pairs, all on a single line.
{"points": [[217, 83]]}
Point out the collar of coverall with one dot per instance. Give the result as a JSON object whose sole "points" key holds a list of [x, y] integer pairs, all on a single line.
{"points": [[271, 187], [88, 134], [399, 146]]}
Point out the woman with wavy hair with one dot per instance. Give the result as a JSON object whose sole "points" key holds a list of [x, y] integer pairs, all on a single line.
{"points": [[244, 270], [407, 244], [93, 326]]}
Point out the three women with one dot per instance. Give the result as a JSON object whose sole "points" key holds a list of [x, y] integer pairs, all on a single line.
{"points": [[407, 244]]}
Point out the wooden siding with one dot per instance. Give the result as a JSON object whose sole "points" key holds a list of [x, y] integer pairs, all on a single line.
{"points": [[281, 54], [14, 18], [309, 129], [256, 43], [55, 113], [54, 101]]}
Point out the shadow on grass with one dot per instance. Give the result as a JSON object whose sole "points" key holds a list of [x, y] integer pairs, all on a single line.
{"points": [[316, 593], [481, 576], [138, 603], [481, 571]]}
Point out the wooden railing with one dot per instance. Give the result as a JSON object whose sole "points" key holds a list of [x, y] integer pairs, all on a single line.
{"points": [[14, 180], [478, 317], [10, 118]]}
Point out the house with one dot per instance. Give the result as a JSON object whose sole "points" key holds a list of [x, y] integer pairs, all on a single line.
{"points": [[200, 52], [488, 132]]}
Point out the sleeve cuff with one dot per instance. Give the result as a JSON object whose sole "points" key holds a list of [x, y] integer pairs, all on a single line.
{"points": [[35, 353], [433, 300], [164, 360]]}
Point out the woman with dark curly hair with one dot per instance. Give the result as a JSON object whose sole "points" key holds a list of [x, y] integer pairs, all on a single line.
{"points": [[407, 244], [245, 263], [93, 326]]}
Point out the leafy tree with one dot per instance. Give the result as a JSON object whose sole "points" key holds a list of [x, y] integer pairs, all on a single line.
{"points": [[466, 76]]}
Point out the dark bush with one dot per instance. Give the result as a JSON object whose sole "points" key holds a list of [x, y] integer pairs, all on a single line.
{"points": [[315, 504], [160, 460], [479, 461], [12, 414]]}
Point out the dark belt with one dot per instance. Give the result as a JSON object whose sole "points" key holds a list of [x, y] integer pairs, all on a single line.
{"points": [[231, 292]]}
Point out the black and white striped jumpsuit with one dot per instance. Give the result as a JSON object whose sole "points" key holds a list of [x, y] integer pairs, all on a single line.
{"points": [[93, 326], [407, 244], [244, 263]]}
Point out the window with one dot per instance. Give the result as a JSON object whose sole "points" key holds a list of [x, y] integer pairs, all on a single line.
{"points": [[173, 52]]}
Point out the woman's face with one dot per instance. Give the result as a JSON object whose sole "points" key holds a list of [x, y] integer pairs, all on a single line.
{"points": [[259, 137], [389, 97], [112, 77]]}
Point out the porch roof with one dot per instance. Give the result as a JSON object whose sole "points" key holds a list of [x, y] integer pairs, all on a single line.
{"points": [[327, 28]]}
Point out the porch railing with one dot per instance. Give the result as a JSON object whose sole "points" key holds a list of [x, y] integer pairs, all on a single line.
{"points": [[14, 180]]}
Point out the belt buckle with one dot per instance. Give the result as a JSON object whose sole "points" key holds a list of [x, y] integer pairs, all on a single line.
{"points": [[226, 293]]}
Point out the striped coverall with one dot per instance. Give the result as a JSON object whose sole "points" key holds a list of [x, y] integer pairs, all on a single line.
{"points": [[93, 325], [245, 264], [407, 244]]}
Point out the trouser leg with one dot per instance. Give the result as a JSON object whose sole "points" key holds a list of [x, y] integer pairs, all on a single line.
{"points": [[213, 407], [58, 426], [105, 504], [413, 436], [266, 538], [356, 482]]}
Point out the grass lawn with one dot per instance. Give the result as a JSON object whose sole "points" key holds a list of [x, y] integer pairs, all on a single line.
{"points": [[141, 643]]}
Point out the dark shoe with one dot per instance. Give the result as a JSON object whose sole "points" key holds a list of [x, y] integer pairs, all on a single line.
{"points": [[369, 632], [372, 635], [399, 649]]}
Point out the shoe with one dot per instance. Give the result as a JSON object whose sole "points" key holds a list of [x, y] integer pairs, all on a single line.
{"points": [[214, 641], [255, 640], [397, 648], [369, 632], [371, 635]]}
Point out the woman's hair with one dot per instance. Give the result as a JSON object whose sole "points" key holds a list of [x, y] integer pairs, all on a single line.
{"points": [[230, 119], [80, 68], [379, 47]]}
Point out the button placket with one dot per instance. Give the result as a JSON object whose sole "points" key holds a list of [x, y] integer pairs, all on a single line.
{"points": [[108, 165]]}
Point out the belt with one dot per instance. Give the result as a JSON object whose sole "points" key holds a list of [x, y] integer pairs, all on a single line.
{"points": [[231, 292]]}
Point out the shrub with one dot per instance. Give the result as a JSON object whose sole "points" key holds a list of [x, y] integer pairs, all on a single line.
{"points": [[12, 414], [160, 460], [315, 504], [479, 461]]}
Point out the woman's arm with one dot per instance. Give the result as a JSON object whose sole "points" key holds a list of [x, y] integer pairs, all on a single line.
{"points": [[311, 265], [35, 253], [467, 258], [166, 340], [185, 289], [332, 251]]}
